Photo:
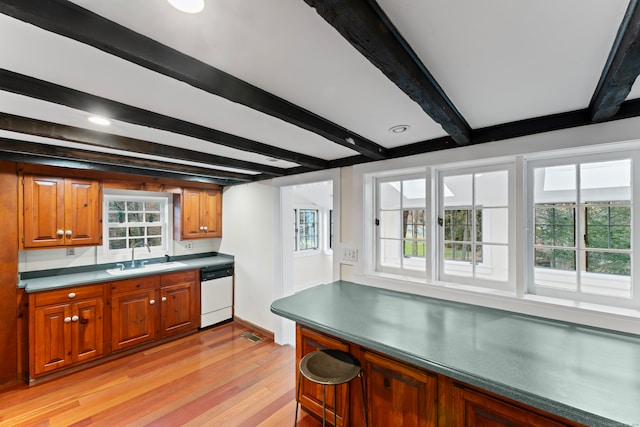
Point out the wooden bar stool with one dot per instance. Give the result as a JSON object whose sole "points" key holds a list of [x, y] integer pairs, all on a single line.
{"points": [[330, 367]]}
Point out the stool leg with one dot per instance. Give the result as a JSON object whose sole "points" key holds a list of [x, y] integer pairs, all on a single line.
{"points": [[364, 402], [335, 408], [295, 420], [324, 405]]}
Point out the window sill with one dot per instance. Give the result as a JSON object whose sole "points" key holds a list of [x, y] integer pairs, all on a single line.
{"points": [[582, 313]]}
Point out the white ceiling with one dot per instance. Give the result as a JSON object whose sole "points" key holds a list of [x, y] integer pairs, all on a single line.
{"points": [[498, 61]]}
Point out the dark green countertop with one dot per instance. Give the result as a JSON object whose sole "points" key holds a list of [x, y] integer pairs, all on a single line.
{"points": [[44, 280], [583, 374]]}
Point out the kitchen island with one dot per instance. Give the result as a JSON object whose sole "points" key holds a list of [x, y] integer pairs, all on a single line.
{"points": [[581, 374]]}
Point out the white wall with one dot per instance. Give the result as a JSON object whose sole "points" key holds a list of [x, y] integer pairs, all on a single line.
{"points": [[312, 270], [248, 222]]}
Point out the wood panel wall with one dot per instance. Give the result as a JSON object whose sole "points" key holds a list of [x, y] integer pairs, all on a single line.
{"points": [[9, 274]]}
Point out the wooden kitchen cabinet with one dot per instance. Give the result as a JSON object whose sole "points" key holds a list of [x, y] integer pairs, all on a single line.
{"points": [[401, 394], [61, 212], [198, 214], [311, 393], [474, 408], [134, 316], [398, 394], [179, 296], [67, 328]]}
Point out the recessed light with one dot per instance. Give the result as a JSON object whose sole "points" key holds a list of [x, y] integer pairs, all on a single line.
{"points": [[188, 6], [99, 121], [399, 128], [271, 159]]}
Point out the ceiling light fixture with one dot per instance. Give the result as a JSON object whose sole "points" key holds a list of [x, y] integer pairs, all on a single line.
{"points": [[399, 128], [99, 121], [188, 6]]}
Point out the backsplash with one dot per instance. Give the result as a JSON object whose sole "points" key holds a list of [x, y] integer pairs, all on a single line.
{"points": [[45, 259]]}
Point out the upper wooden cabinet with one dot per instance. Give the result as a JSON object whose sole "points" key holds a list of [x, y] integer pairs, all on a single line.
{"points": [[61, 212], [198, 214]]}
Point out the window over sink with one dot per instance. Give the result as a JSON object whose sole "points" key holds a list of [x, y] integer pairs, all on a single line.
{"points": [[134, 219]]}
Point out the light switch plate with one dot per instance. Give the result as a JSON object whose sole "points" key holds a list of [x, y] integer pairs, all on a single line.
{"points": [[350, 254]]}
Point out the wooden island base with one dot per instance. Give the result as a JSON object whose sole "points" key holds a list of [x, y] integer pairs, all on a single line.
{"points": [[399, 394]]}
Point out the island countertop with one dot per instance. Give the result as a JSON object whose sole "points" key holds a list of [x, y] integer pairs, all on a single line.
{"points": [[587, 375]]}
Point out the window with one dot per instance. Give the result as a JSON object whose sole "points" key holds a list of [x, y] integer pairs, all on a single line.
{"points": [[582, 240], [306, 229], [474, 220], [135, 220], [401, 234]]}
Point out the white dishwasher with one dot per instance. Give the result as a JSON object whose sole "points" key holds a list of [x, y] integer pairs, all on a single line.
{"points": [[216, 295]]}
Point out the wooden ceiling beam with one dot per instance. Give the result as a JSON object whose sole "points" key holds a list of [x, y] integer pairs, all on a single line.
{"points": [[621, 69], [43, 154], [28, 126], [368, 29], [72, 21], [40, 89]]}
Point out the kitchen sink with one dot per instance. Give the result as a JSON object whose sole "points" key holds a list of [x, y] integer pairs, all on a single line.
{"points": [[146, 268]]}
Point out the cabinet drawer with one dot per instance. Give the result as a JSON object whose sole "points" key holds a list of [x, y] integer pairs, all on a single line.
{"points": [[134, 284], [178, 277], [66, 295]]}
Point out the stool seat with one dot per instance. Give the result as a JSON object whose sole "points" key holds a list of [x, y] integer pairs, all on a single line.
{"points": [[329, 367]]}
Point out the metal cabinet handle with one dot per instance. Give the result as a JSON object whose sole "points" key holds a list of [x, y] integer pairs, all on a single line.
{"points": [[60, 233], [67, 320], [205, 228], [75, 318], [68, 233], [72, 295], [152, 301], [164, 299]]}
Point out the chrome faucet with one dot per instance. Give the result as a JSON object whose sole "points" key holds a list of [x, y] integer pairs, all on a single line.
{"points": [[133, 248]]}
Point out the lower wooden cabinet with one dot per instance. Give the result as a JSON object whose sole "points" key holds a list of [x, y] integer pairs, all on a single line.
{"points": [[133, 311], [478, 409], [74, 325], [67, 328], [179, 296], [400, 394]]}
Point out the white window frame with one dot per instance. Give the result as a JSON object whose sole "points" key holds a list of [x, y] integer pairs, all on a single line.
{"points": [[401, 271], [166, 223], [320, 229], [545, 291], [510, 283]]}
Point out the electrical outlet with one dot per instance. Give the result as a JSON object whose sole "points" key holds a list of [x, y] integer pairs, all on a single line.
{"points": [[71, 251], [188, 245]]}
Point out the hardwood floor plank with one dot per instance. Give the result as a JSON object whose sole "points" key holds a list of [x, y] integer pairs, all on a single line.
{"points": [[212, 378]]}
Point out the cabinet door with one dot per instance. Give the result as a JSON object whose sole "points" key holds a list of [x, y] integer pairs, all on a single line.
{"points": [[398, 394], [190, 215], [88, 329], [178, 308], [133, 318], [211, 211], [82, 212], [479, 410], [43, 207], [311, 393], [51, 344]]}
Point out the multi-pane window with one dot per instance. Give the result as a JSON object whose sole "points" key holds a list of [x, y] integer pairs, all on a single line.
{"points": [[401, 225], [582, 228], [474, 218], [135, 222], [331, 229], [458, 229], [307, 229]]}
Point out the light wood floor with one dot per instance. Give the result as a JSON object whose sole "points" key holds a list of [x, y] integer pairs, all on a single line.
{"points": [[212, 378]]}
